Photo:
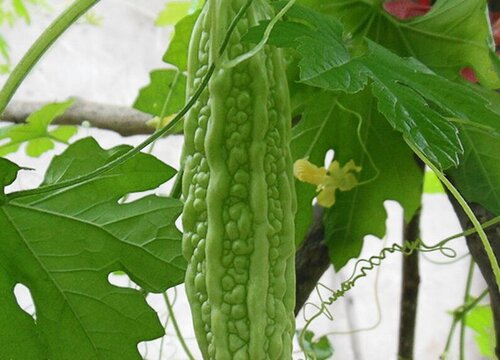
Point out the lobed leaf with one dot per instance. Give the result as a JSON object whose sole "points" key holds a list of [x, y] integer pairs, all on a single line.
{"points": [[458, 29], [353, 128], [62, 245], [414, 100]]}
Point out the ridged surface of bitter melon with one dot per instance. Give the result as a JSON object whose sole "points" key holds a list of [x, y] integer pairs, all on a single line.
{"points": [[238, 193]]}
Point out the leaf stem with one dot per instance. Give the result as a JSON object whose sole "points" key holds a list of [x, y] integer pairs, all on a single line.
{"points": [[40, 46], [468, 211], [176, 326], [458, 315]]}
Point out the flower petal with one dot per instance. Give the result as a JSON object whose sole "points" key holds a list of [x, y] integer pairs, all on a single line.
{"points": [[309, 173], [326, 198]]}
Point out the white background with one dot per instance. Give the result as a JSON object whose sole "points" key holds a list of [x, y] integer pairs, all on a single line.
{"points": [[110, 62]]}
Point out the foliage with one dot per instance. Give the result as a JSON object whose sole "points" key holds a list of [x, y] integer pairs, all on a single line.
{"points": [[364, 84], [36, 133], [480, 319], [425, 107], [11, 11], [63, 245], [389, 172], [321, 348], [164, 94], [460, 29]]}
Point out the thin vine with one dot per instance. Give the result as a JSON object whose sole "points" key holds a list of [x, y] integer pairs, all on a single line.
{"points": [[134, 151], [363, 266], [176, 327], [459, 315], [41, 45], [468, 211]]}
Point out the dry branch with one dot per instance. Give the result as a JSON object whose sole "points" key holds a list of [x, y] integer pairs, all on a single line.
{"points": [[121, 119]]}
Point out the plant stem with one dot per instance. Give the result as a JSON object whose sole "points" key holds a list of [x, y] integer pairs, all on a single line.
{"points": [[41, 45], [158, 134], [458, 315], [468, 211], [468, 286], [176, 326], [409, 293]]}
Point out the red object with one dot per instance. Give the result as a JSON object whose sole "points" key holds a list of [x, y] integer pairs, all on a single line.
{"points": [[407, 9], [469, 74], [494, 16]]}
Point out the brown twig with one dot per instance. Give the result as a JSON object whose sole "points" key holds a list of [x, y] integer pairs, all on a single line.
{"points": [[121, 119], [311, 260], [409, 293]]}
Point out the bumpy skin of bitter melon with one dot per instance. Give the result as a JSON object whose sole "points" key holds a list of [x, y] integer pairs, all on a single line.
{"points": [[239, 195]]}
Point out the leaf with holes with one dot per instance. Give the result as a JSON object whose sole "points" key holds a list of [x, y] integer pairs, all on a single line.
{"points": [[352, 127], [62, 246]]}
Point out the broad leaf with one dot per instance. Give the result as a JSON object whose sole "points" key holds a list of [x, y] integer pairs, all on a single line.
{"points": [[480, 319], [478, 175], [469, 43], [164, 95], [36, 132], [389, 172], [460, 29], [63, 245], [177, 51], [416, 101]]}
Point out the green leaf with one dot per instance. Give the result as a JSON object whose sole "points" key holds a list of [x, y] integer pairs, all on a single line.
{"points": [[63, 133], [480, 319], [36, 131], [173, 12], [432, 184], [177, 51], [352, 127], [478, 175], [21, 10], [321, 348], [165, 94], [417, 102], [8, 174], [401, 87], [460, 29], [4, 52], [63, 245]]}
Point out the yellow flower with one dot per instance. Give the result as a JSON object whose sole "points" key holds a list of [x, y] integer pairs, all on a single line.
{"points": [[327, 181]]}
